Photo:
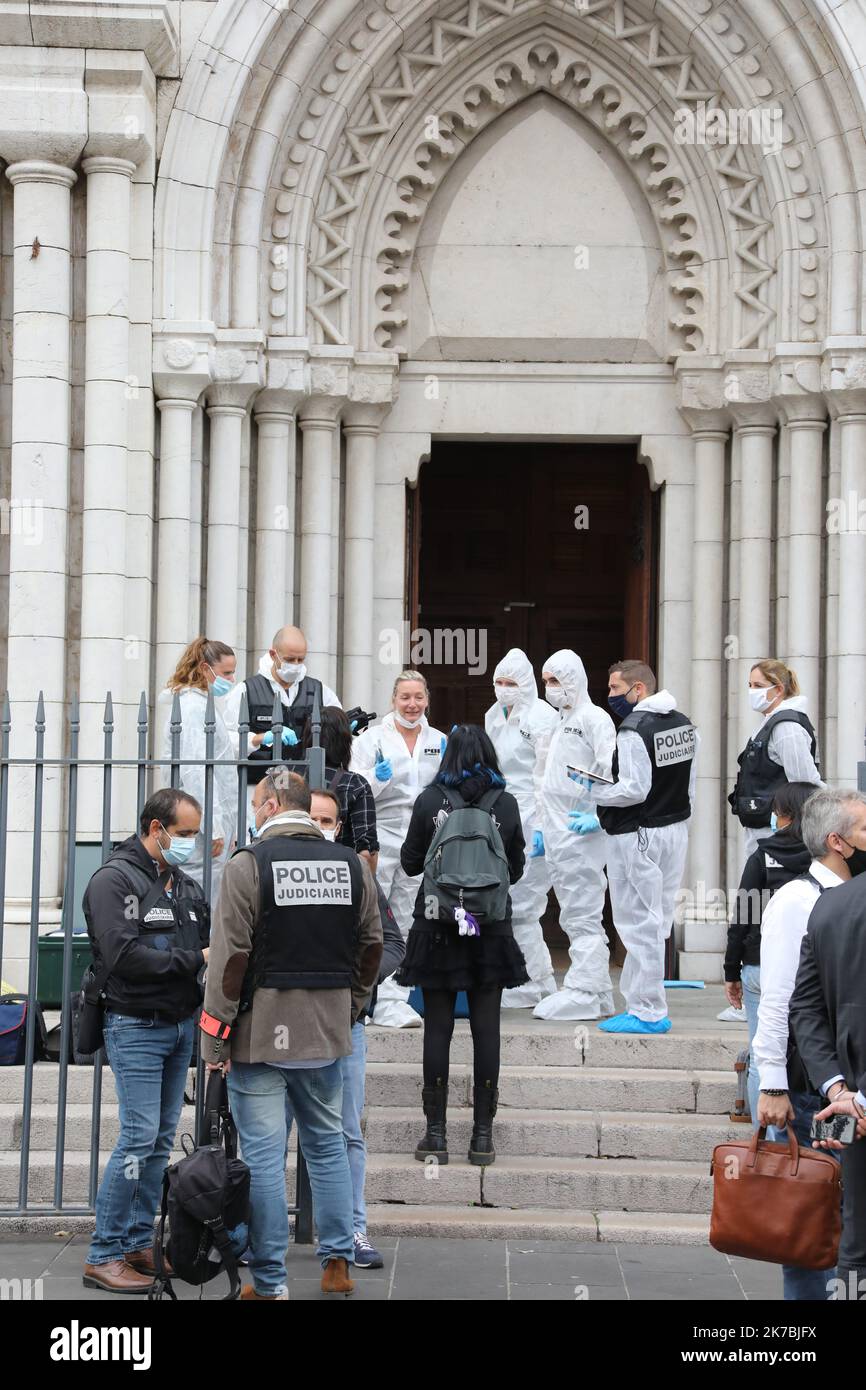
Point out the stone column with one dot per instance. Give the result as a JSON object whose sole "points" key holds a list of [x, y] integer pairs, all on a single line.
{"points": [[105, 502], [318, 421], [274, 414], [806, 441], [851, 668]]}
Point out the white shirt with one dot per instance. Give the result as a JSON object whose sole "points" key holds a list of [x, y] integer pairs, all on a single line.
{"points": [[790, 745], [783, 927], [634, 769]]}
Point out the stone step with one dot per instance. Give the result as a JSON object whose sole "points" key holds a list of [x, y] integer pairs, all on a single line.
{"points": [[585, 1184], [568, 1088], [538, 1223], [523, 1087], [576, 1045], [391, 1129]]}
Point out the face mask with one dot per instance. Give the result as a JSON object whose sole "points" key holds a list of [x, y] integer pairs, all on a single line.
{"points": [[555, 695], [505, 694], [179, 850], [291, 671], [774, 824], [329, 834], [619, 705], [408, 723], [221, 686], [760, 699], [856, 860]]}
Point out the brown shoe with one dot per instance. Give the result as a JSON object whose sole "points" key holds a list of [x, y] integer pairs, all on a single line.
{"points": [[248, 1293], [335, 1277], [142, 1262], [116, 1277]]}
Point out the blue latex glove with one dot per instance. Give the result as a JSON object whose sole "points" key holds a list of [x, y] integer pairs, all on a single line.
{"points": [[537, 845], [290, 738], [581, 781], [353, 726], [582, 823], [384, 771], [442, 744]]}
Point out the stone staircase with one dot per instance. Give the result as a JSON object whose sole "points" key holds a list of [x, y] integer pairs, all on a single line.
{"points": [[598, 1137]]}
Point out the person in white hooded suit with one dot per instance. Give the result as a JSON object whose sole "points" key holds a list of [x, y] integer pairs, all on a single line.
{"points": [[519, 726], [583, 737]]}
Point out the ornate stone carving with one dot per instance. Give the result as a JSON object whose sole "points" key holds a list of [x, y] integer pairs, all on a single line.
{"points": [[179, 353], [229, 364]]}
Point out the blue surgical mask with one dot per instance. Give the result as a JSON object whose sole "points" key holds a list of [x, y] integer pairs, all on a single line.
{"points": [[774, 824], [619, 705], [253, 829], [221, 686], [180, 849]]}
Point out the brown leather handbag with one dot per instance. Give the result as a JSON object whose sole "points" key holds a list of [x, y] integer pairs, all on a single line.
{"points": [[776, 1202]]}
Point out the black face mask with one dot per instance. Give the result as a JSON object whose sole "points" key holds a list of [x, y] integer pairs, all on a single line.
{"points": [[856, 860]]}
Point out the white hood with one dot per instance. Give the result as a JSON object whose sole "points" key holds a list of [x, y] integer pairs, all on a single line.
{"points": [[795, 702], [516, 666], [660, 703], [569, 670]]}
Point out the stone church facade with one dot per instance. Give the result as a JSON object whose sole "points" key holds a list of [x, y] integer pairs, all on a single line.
{"points": [[262, 260]]}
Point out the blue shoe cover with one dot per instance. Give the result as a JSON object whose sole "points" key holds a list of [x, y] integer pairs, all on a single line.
{"points": [[630, 1023]]}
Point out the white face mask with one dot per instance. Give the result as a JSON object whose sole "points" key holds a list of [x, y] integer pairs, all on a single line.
{"points": [[329, 834], [505, 694], [291, 671], [761, 699], [408, 723], [555, 696]]}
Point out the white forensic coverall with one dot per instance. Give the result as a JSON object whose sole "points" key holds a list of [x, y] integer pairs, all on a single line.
{"points": [[584, 737], [519, 734], [193, 705], [394, 801], [644, 870], [791, 747]]}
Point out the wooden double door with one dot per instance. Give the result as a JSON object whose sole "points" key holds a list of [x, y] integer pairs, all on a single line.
{"points": [[538, 546]]}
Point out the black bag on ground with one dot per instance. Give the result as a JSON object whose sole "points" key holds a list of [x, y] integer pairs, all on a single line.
{"points": [[206, 1204]]}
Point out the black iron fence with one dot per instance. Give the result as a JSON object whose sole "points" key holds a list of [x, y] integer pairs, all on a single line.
{"points": [[149, 772]]}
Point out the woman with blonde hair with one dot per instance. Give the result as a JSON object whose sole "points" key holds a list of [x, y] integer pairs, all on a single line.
{"points": [[399, 757], [783, 749], [206, 664]]}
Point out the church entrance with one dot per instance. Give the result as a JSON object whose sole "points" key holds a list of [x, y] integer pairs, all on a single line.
{"points": [[538, 546]]}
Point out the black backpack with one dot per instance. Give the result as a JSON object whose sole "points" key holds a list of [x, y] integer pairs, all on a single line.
{"points": [[206, 1201]]}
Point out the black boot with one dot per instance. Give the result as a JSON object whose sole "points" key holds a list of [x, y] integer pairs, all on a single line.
{"points": [[434, 1143], [481, 1150]]}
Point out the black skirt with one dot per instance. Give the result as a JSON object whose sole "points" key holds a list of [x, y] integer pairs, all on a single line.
{"points": [[437, 957]]}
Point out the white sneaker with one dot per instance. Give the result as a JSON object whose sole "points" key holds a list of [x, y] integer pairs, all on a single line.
{"points": [[732, 1015], [393, 1013]]}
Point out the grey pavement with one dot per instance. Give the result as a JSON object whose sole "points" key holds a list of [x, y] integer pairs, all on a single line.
{"points": [[420, 1270]]}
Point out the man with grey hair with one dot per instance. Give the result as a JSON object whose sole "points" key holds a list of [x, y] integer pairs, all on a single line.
{"points": [[828, 1019], [834, 833]]}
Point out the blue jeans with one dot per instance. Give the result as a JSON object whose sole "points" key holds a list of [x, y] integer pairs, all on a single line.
{"points": [[263, 1101], [751, 978], [354, 1073], [150, 1062], [800, 1285]]}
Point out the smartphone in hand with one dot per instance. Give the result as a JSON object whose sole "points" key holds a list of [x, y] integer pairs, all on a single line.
{"points": [[840, 1127]]}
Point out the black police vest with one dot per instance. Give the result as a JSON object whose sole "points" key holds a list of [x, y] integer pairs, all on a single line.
{"points": [[260, 703], [669, 740], [759, 778], [309, 915]]}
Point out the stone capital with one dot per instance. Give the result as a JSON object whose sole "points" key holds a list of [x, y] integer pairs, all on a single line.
{"points": [[702, 400], [287, 379], [374, 383], [795, 384], [43, 104], [843, 376], [237, 368], [121, 104], [747, 390], [182, 365], [329, 374]]}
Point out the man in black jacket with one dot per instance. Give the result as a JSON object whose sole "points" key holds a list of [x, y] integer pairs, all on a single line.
{"points": [[828, 1020], [149, 924]]}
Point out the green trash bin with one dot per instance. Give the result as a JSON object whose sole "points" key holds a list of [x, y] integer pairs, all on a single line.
{"points": [[49, 961]]}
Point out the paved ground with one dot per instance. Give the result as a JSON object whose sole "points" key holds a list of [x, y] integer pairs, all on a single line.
{"points": [[463, 1270]]}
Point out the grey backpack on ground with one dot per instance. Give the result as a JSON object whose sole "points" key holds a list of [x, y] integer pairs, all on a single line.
{"points": [[466, 865]]}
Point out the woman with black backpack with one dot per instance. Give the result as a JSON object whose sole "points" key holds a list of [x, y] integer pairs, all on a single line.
{"points": [[461, 937]]}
